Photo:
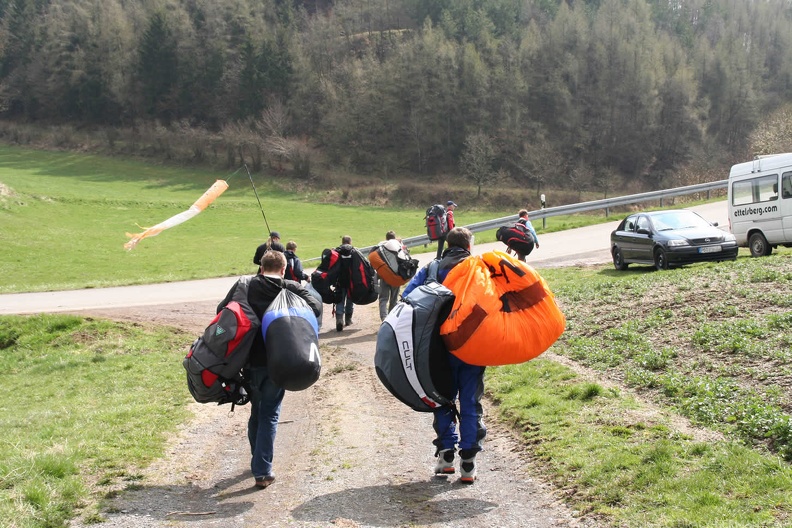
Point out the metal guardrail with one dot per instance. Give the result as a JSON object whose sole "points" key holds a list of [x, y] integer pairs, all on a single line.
{"points": [[539, 214]]}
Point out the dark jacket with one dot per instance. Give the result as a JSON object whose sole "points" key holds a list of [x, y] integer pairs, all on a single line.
{"points": [[261, 292], [451, 257], [296, 266], [275, 246]]}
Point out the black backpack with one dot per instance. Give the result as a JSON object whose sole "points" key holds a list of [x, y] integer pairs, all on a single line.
{"points": [[411, 359], [325, 277], [436, 222], [215, 360], [516, 237], [345, 267], [357, 275]]}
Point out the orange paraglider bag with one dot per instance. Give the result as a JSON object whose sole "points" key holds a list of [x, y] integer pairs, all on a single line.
{"points": [[385, 269], [503, 314]]}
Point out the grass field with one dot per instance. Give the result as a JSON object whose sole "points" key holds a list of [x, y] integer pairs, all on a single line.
{"points": [[62, 213]]}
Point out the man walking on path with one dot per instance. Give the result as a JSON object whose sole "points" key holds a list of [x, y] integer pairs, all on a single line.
{"points": [[265, 396], [450, 206], [525, 222], [389, 295], [344, 307], [468, 382]]}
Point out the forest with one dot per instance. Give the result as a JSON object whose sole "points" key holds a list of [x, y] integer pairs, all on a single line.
{"points": [[601, 95]]}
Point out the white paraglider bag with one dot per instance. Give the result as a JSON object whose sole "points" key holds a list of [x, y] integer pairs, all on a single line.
{"points": [[291, 338]]}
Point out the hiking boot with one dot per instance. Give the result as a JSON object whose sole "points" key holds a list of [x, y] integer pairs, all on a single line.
{"points": [[467, 470], [348, 321], [339, 326], [264, 482], [445, 462]]}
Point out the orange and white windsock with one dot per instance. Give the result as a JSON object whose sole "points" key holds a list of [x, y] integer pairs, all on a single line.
{"points": [[200, 204]]}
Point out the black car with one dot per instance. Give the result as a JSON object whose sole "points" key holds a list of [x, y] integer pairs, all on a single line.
{"points": [[669, 238]]}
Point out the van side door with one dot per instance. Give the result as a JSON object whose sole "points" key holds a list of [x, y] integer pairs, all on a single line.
{"points": [[785, 205], [756, 206]]}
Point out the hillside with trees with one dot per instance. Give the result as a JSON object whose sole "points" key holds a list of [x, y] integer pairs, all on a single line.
{"points": [[595, 95]]}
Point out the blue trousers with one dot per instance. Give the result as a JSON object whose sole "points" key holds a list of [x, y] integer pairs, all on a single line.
{"points": [[345, 307], [265, 399], [468, 386]]}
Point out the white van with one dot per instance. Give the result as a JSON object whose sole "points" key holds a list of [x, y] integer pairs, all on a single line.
{"points": [[760, 203]]}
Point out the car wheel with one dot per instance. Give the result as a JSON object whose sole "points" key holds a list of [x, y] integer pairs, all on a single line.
{"points": [[759, 246], [618, 259], [660, 259]]}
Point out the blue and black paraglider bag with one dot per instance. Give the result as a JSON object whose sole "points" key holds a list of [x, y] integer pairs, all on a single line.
{"points": [[291, 339]]}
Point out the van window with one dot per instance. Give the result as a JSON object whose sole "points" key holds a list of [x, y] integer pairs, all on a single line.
{"points": [[761, 189], [786, 185]]}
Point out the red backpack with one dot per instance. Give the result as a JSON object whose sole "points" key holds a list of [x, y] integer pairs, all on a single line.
{"points": [[436, 222], [215, 360]]}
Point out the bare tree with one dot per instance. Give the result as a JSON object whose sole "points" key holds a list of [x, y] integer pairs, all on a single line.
{"points": [[477, 160]]}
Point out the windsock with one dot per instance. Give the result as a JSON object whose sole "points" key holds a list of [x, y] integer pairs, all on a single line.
{"points": [[202, 203]]}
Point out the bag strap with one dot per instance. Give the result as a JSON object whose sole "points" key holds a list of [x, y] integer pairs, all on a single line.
{"points": [[431, 271]]}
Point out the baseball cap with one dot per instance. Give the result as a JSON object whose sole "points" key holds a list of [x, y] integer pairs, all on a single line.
{"points": [[274, 234], [451, 202]]}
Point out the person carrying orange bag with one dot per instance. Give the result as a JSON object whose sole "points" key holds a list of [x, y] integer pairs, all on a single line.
{"points": [[467, 381], [504, 312]]}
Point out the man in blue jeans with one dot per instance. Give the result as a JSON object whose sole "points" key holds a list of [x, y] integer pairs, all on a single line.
{"points": [[265, 396], [468, 383]]}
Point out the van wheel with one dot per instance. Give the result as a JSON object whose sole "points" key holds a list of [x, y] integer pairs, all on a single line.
{"points": [[618, 259], [660, 259], [759, 246]]}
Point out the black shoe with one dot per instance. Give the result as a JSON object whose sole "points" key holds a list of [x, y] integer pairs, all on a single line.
{"points": [[339, 326], [348, 321]]}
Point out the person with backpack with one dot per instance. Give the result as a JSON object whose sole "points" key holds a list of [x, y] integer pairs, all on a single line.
{"points": [[449, 220], [467, 385], [273, 243], [265, 396], [294, 268], [523, 220], [389, 295], [295, 272], [344, 306]]}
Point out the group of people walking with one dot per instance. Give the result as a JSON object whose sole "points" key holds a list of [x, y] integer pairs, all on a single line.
{"points": [[279, 267]]}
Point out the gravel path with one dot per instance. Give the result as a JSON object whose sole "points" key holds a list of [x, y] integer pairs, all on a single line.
{"points": [[348, 454]]}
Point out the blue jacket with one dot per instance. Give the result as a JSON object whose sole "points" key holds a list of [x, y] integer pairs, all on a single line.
{"points": [[451, 257]]}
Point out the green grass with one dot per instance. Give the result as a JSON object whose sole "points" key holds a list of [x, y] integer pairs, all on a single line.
{"points": [[614, 461], [708, 342], [86, 404], [68, 212]]}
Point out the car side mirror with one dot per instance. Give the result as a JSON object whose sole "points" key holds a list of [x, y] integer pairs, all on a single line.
{"points": [[715, 224], [643, 231]]}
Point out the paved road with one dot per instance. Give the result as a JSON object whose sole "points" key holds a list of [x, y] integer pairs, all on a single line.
{"points": [[585, 245]]}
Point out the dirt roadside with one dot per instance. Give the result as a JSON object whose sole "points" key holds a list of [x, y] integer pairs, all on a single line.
{"points": [[347, 454]]}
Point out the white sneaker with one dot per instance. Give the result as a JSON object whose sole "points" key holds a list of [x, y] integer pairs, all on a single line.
{"points": [[467, 470], [445, 462]]}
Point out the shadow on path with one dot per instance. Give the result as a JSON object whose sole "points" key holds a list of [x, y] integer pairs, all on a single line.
{"points": [[413, 503]]}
